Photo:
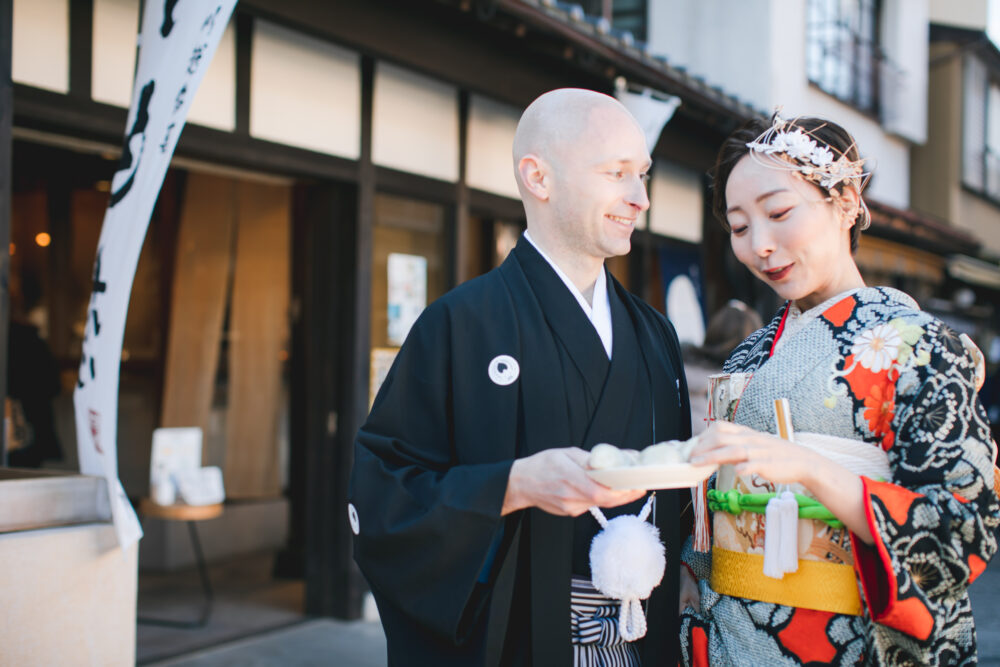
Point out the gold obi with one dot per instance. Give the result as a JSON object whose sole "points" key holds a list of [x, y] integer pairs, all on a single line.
{"points": [[819, 585]]}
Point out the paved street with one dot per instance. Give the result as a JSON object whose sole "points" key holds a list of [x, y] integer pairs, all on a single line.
{"points": [[362, 643], [985, 595], [308, 644]]}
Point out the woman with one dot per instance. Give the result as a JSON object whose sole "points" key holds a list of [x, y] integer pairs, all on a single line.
{"points": [[892, 457]]}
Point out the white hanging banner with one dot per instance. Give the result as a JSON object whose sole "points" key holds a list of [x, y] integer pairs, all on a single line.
{"points": [[176, 44], [651, 111]]}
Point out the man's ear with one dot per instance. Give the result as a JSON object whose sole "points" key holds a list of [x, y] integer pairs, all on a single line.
{"points": [[535, 176]]}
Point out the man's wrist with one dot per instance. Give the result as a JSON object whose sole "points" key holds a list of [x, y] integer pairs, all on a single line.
{"points": [[512, 498]]}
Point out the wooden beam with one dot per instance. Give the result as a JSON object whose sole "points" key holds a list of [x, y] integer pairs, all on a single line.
{"points": [[314, 389], [453, 45], [244, 50], [506, 208], [336, 323], [6, 141], [81, 47], [350, 585], [460, 236], [308, 216], [45, 111]]}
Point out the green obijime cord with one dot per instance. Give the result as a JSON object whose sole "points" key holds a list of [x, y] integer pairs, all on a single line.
{"points": [[734, 502]]}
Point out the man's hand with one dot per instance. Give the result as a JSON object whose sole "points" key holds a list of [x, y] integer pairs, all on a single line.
{"points": [[556, 481]]}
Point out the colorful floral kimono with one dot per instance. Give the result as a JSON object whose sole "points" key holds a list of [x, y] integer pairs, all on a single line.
{"points": [[870, 367]]}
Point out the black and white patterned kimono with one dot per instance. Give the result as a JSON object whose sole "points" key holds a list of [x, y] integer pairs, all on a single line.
{"points": [[869, 367]]}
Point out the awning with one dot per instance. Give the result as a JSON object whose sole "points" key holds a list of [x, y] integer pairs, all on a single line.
{"points": [[880, 258], [974, 271], [919, 230]]}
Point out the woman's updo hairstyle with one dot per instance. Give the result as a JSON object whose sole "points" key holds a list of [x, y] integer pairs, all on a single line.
{"points": [[830, 161]]}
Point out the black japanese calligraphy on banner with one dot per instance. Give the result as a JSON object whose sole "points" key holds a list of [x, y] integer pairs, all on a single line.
{"points": [[177, 42], [168, 17], [135, 144]]}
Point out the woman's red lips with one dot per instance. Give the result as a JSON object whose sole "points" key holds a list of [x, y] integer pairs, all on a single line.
{"points": [[779, 273]]}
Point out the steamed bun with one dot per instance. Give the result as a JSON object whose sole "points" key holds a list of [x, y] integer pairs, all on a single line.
{"points": [[668, 452], [606, 456], [662, 453]]}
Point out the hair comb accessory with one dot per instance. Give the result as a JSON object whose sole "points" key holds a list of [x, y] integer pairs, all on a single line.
{"points": [[785, 146]]}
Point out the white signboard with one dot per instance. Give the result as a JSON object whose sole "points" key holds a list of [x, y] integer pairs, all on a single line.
{"points": [[174, 450], [407, 294], [177, 41]]}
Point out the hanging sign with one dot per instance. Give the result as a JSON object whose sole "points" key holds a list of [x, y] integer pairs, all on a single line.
{"points": [[176, 44]]}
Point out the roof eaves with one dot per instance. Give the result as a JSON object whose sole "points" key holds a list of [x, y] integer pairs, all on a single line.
{"points": [[623, 44]]}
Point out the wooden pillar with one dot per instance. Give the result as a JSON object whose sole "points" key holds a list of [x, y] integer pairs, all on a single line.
{"points": [[642, 267], [460, 238], [6, 140], [81, 41], [244, 51], [336, 323]]}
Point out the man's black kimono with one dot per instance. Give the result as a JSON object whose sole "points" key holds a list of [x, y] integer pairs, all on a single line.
{"points": [[456, 583]]}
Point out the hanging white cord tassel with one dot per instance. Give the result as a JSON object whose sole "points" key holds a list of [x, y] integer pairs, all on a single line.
{"points": [[772, 540], [626, 563], [699, 504], [781, 539], [788, 509]]}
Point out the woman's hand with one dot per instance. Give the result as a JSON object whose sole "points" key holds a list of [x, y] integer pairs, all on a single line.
{"points": [[775, 459], [783, 462]]}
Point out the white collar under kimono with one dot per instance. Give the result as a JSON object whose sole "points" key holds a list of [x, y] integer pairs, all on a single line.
{"points": [[600, 314]]}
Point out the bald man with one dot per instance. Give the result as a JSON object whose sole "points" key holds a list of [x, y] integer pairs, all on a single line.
{"points": [[469, 493]]}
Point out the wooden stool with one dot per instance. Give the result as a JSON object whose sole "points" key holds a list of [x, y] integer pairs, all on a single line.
{"points": [[190, 514]]}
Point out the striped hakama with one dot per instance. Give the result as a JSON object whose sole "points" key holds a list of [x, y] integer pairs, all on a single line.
{"points": [[594, 629]]}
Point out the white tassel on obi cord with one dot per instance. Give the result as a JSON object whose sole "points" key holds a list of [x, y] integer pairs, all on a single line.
{"points": [[781, 518], [627, 561]]}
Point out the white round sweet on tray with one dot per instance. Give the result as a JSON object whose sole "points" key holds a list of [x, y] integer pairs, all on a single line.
{"points": [[605, 456], [663, 465], [662, 453]]}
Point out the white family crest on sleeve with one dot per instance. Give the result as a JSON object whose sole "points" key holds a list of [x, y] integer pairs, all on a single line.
{"points": [[504, 370], [352, 515]]}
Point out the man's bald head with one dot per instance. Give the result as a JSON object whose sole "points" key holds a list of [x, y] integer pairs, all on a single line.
{"points": [[581, 162], [555, 125]]}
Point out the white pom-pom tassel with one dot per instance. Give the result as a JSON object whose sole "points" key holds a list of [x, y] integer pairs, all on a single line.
{"points": [[627, 561], [631, 620]]}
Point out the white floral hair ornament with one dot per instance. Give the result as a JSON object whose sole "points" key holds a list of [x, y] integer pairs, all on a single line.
{"points": [[785, 146]]}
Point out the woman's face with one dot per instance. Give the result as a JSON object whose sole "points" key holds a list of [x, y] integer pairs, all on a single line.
{"points": [[789, 233]]}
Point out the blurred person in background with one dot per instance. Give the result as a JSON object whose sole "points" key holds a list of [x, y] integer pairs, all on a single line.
{"points": [[32, 383], [726, 329]]}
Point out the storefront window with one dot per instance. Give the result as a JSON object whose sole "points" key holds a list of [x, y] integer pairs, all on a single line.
{"points": [[410, 267], [206, 336]]}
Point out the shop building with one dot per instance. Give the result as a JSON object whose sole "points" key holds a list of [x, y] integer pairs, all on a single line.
{"points": [[334, 147], [326, 142]]}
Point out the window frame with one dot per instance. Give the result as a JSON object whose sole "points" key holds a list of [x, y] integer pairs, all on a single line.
{"points": [[978, 182], [865, 51]]}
